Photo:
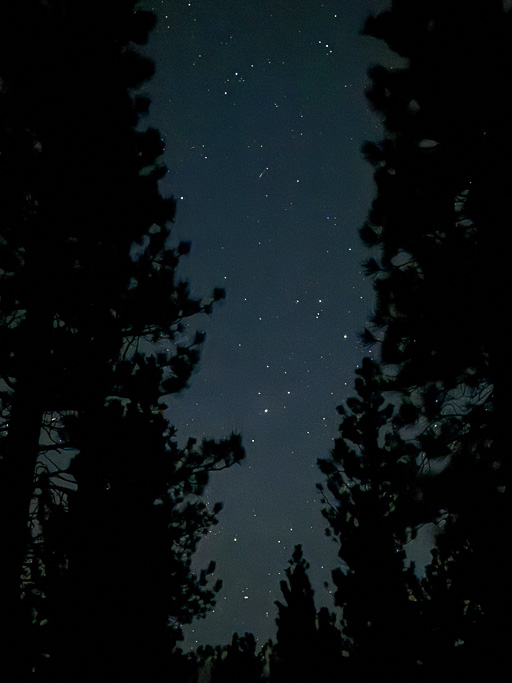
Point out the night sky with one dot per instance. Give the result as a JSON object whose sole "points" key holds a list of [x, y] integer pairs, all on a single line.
{"points": [[261, 105]]}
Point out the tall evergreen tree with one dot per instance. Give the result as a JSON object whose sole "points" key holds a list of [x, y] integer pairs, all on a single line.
{"points": [[370, 487], [438, 214], [308, 644], [440, 277], [460, 265], [92, 341]]}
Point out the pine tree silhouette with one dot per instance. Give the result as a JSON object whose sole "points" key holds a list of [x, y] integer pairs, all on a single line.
{"points": [[308, 644], [439, 272], [370, 489], [93, 340]]}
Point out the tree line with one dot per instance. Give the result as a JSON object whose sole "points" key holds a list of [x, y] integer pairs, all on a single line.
{"points": [[101, 510]]}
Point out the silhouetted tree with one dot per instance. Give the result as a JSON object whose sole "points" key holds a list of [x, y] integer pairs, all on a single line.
{"points": [[442, 174], [238, 661], [308, 644], [91, 342], [370, 490]]}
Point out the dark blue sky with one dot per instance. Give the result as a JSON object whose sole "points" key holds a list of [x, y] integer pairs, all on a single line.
{"points": [[262, 108]]}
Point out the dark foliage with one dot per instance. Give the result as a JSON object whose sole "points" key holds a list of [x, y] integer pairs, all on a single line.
{"points": [[100, 510], [371, 481], [425, 438], [308, 645], [238, 661]]}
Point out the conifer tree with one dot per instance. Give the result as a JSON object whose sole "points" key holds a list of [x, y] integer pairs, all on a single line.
{"points": [[238, 661], [308, 644], [370, 480], [440, 276], [438, 266], [92, 342]]}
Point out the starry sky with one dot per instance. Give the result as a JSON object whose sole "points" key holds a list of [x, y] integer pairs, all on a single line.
{"points": [[261, 105]]}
